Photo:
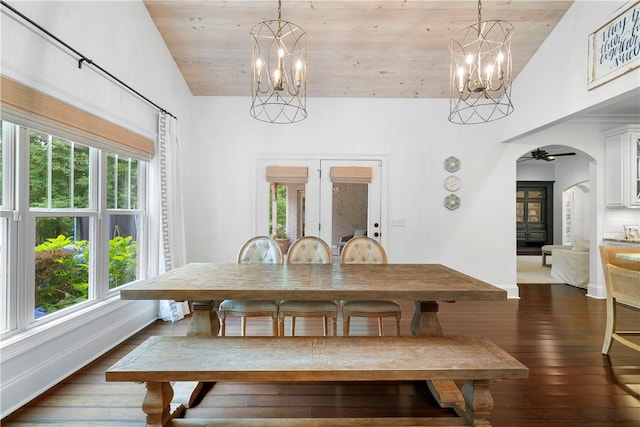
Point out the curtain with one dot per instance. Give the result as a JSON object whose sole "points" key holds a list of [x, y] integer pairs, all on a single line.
{"points": [[169, 210]]}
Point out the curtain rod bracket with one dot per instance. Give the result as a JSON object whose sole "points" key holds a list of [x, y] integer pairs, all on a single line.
{"points": [[83, 59]]}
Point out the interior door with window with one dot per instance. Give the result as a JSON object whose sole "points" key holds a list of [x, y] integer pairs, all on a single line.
{"points": [[350, 199]]}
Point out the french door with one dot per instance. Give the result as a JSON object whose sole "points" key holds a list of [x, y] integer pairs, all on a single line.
{"points": [[350, 199], [329, 198]]}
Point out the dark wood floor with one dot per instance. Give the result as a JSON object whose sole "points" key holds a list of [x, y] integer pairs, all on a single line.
{"points": [[553, 329]]}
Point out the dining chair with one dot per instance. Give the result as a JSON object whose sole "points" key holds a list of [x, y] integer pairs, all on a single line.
{"points": [[622, 281], [365, 250], [309, 250], [257, 250]]}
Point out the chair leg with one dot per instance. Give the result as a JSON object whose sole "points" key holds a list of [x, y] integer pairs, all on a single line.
{"points": [[274, 326], [325, 329], [334, 326], [280, 326], [243, 326], [610, 326], [345, 325], [293, 326], [223, 326], [380, 331]]}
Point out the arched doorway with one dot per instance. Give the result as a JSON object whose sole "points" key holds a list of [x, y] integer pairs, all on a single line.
{"points": [[570, 177]]}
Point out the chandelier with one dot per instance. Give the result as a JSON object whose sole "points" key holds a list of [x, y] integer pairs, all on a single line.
{"points": [[278, 71], [480, 75]]}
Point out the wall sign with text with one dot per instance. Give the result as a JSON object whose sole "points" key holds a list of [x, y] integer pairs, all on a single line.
{"points": [[614, 48]]}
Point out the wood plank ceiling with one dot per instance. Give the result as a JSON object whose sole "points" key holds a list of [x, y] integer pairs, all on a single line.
{"points": [[355, 48]]}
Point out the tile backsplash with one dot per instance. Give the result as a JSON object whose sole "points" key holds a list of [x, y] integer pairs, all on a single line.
{"points": [[614, 219]]}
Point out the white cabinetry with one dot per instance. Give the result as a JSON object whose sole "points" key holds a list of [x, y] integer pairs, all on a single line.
{"points": [[622, 171]]}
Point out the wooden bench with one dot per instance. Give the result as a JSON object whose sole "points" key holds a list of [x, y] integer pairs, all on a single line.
{"points": [[159, 361]]}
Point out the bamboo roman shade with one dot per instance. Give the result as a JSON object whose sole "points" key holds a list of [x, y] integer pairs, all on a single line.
{"points": [[287, 174], [351, 174], [19, 100]]}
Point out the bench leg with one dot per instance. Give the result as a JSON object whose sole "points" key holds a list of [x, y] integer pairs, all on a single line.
{"points": [[544, 259], [157, 404]]}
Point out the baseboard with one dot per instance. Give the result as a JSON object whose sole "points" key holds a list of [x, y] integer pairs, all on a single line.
{"points": [[28, 374]]}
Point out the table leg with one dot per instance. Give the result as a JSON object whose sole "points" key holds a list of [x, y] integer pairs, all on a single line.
{"points": [[204, 320], [425, 319], [425, 323], [204, 323]]}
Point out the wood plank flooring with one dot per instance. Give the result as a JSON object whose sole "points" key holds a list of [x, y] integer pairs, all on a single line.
{"points": [[553, 329]]}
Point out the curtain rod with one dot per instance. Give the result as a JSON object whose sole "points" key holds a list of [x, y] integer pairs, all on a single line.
{"points": [[84, 59]]}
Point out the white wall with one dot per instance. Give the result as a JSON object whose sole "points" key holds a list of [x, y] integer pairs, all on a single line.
{"points": [[120, 37], [415, 136]]}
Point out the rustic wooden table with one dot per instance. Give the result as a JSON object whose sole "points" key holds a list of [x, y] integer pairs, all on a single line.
{"points": [[205, 283]]}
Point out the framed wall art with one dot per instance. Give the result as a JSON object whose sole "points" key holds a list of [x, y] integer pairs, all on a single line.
{"points": [[631, 232], [614, 48]]}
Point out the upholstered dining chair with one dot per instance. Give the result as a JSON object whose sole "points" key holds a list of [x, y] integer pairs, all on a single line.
{"points": [[257, 250], [365, 250], [309, 250]]}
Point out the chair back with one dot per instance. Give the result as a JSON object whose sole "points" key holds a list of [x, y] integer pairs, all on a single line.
{"points": [[309, 250], [608, 255], [625, 285], [363, 250], [260, 250]]}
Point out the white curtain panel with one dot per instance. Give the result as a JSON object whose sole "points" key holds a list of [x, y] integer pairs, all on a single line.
{"points": [[168, 205]]}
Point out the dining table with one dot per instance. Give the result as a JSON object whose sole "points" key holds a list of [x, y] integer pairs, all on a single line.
{"points": [[204, 284]]}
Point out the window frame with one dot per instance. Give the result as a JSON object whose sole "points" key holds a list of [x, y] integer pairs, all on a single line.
{"points": [[20, 220]]}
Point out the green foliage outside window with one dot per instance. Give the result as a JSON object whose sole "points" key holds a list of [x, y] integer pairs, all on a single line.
{"points": [[62, 270], [62, 273], [279, 228]]}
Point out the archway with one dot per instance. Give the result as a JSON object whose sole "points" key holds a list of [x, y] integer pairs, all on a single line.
{"points": [[571, 177]]}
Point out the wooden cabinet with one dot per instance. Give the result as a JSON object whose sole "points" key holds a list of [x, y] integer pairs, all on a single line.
{"points": [[534, 216], [622, 167]]}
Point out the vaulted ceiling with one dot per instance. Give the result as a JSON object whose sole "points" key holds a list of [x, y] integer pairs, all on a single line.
{"points": [[355, 48]]}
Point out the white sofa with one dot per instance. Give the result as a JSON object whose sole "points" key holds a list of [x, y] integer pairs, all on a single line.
{"points": [[571, 265]]}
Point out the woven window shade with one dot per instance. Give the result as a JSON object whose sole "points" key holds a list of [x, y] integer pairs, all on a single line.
{"points": [[351, 174], [20, 99], [288, 174]]}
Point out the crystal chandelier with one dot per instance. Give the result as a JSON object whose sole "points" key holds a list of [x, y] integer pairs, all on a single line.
{"points": [[480, 76], [278, 71]]}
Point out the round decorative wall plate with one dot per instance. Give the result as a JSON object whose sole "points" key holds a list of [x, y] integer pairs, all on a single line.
{"points": [[452, 164], [452, 183], [452, 202]]}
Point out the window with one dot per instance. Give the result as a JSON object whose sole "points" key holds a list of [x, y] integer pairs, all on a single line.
{"points": [[6, 292], [75, 224]]}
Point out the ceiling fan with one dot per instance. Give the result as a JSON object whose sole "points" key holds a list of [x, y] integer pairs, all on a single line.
{"points": [[540, 154]]}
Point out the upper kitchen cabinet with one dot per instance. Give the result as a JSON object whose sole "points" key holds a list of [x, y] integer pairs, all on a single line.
{"points": [[622, 166]]}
